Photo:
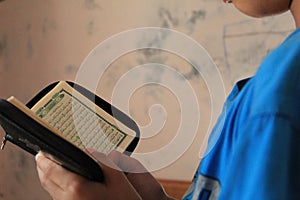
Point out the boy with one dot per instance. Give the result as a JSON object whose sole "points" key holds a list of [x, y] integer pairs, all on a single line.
{"points": [[256, 155]]}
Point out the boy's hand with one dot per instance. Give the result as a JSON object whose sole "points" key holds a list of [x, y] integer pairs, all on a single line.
{"points": [[62, 184]]}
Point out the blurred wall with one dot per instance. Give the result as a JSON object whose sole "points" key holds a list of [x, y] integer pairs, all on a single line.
{"points": [[44, 41]]}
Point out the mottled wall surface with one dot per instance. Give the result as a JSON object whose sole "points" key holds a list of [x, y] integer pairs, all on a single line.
{"points": [[44, 41]]}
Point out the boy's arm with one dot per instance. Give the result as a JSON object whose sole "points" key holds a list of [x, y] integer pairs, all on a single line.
{"points": [[65, 185]]}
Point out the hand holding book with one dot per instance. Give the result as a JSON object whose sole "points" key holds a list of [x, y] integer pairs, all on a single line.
{"points": [[62, 184], [64, 119]]}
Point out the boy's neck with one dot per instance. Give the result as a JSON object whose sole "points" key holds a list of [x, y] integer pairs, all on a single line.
{"points": [[295, 10]]}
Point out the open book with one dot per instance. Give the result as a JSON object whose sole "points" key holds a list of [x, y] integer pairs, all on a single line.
{"points": [[65, 119]]}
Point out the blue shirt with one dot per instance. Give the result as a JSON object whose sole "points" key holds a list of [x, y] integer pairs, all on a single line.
{"points": [[254, 149]]}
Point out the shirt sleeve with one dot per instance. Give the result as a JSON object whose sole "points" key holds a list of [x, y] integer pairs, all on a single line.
{"points": [[265, 162]]}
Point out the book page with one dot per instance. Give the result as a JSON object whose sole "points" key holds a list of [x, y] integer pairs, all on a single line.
{"points": [[13, 100], [82, 122]]}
